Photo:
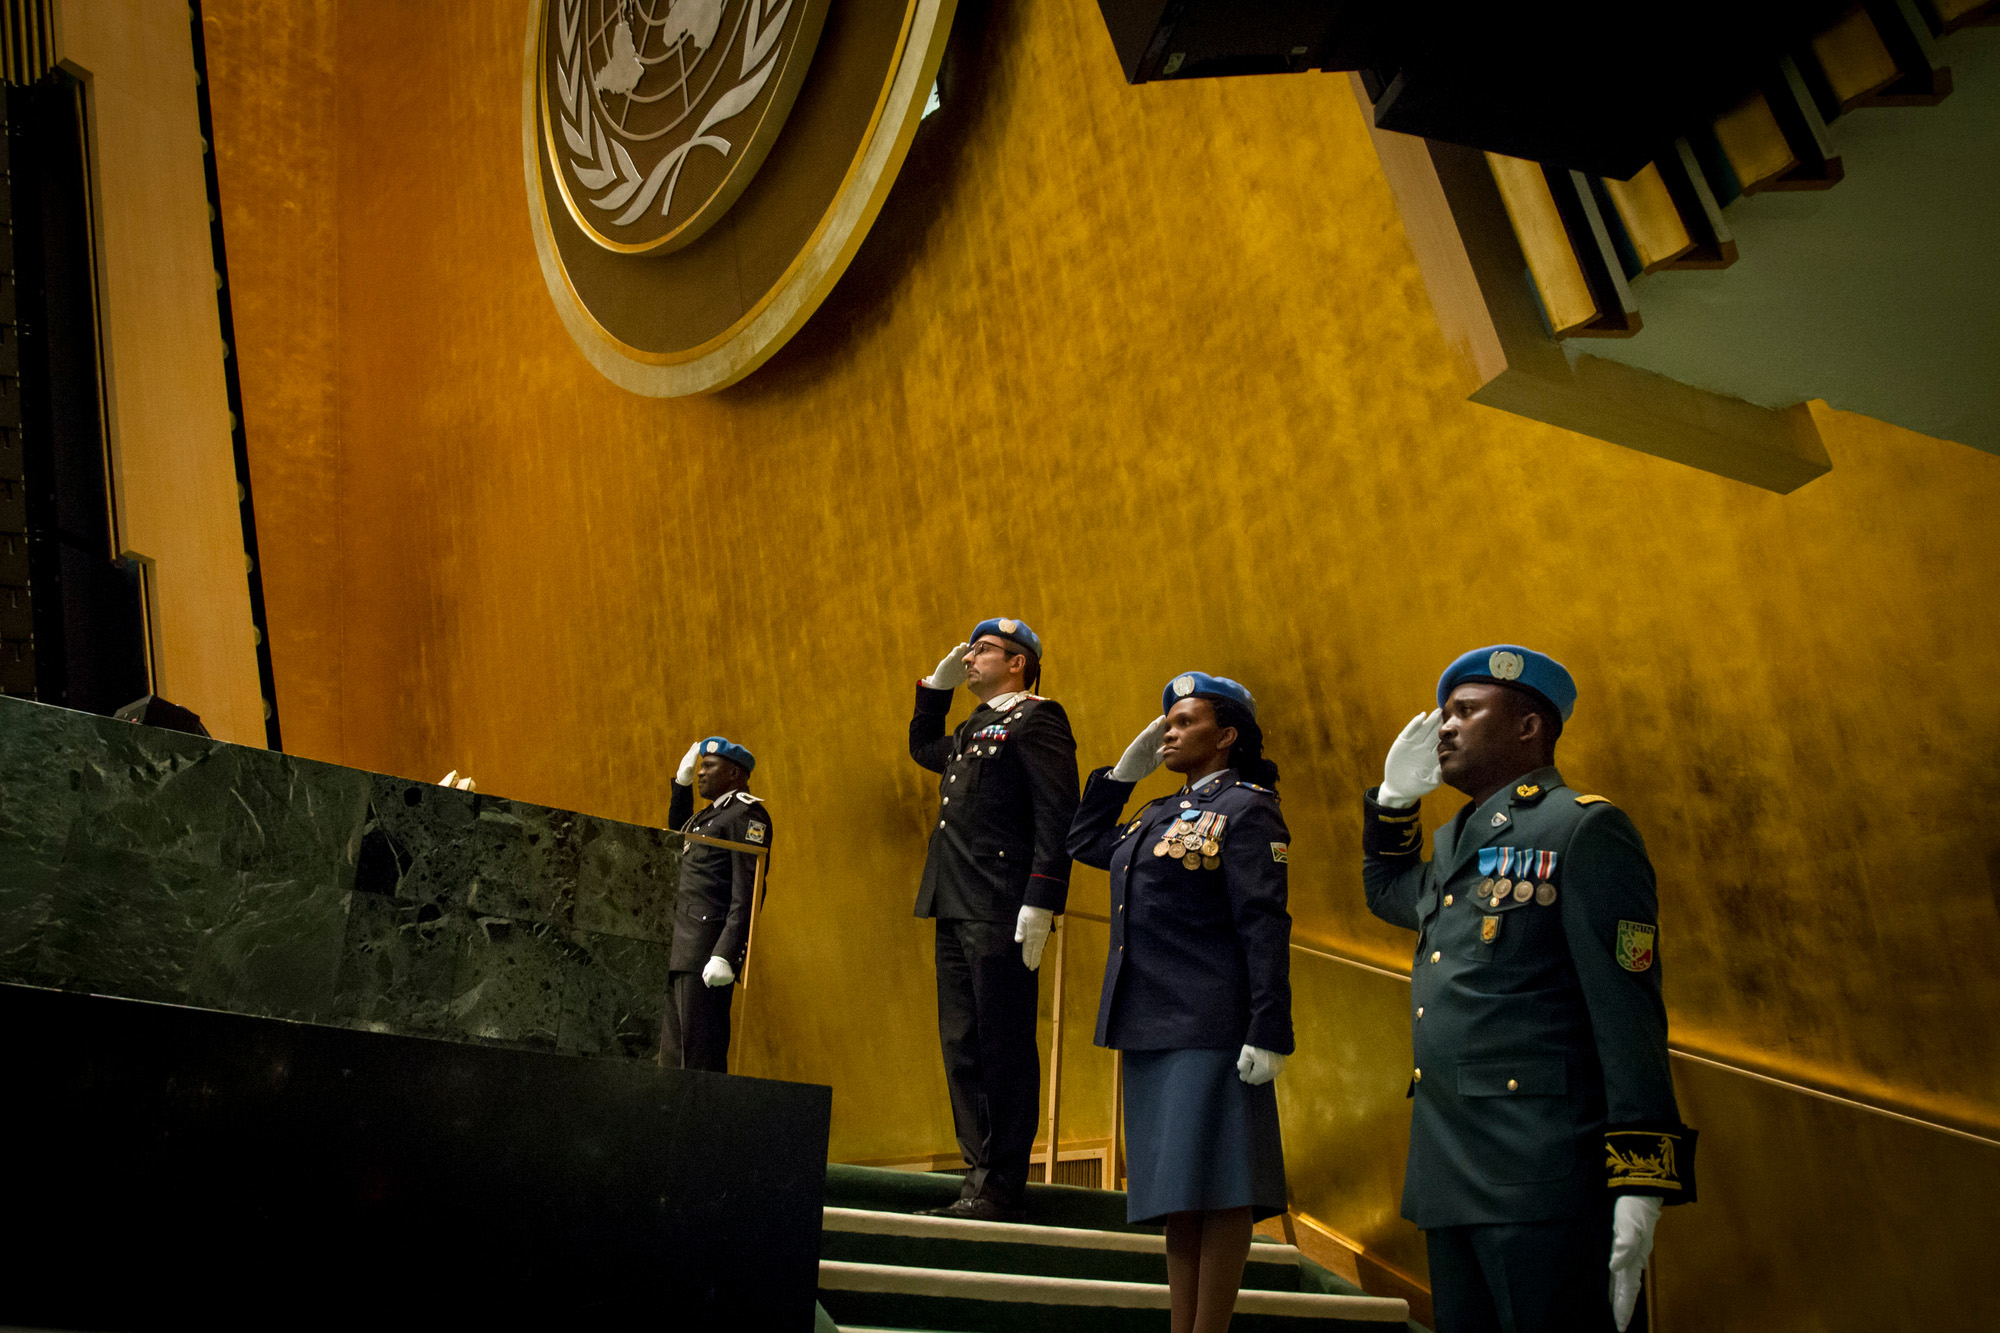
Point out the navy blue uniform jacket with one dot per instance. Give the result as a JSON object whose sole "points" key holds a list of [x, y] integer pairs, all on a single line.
{"points": [[1007, 792], [1540, 1074], [1199, 958], [712, 905]]}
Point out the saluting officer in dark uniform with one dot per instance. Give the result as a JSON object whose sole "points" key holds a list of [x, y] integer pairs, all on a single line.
{"points": [[712, 908], [1544, 1134], [1197, 984], [996, 876]]}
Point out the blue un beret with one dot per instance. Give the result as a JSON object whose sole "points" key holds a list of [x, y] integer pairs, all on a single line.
{"points": [[1201, 685], [1014, 631], [1510, 664], [724, 748]]}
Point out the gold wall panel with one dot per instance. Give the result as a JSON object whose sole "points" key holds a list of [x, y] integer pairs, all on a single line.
{"points": [[1154, 369]]}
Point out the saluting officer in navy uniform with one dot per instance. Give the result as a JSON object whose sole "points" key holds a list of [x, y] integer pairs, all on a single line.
{"points": [[1197, 984], [712, 907], [996, 876], [1544, 1134]]}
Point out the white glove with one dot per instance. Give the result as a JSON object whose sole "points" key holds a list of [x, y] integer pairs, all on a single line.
{"points": [[1257, 1065], [455, 782], [950, 673], [1411, 771], [1142, 756], [1031, 932], [684, 775], [718, 972], [1633, 1218]]}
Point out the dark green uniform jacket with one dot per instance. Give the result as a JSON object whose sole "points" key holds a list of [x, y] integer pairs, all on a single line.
{"points": [[1540, 1075]]}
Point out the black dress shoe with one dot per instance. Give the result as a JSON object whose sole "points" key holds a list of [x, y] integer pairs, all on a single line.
{"points": [[980, 1208]]}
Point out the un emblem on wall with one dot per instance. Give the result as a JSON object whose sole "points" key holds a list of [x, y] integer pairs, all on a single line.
{"points": [[700, 171], [661, 111]]}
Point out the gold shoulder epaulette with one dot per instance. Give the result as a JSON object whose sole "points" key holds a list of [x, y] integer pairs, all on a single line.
{"points": [[1593, 800]]}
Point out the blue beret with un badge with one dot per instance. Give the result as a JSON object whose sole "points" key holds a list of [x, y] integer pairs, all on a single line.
{"points": [[1522, 668], [724, 748], [1201, 685], [1015, 631]]}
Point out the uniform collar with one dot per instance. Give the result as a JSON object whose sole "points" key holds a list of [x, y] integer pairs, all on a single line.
{"points": [[1530, 788], [1211, 786], [1000, 703]]}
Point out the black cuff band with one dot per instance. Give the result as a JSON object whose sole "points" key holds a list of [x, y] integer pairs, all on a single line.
{"points": [[1390, 834], [1641, 1159]]}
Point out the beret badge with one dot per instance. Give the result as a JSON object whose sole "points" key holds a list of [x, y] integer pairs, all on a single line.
{"points": [[1009, 626], [1183, 686], [1505, 666], [713, 746]]}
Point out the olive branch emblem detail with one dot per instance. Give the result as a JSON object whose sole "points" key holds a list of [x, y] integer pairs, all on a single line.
{"points": [[601, 162]]}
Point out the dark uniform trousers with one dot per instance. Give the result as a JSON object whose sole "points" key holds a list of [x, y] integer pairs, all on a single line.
{"points": [[987, 1001], [712, 910], [1540, 1087], [1524, 1277], [694, 1030], [1006, 794]]}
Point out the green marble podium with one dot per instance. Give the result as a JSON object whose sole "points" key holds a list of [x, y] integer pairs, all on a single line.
{"points": [[157, 866]]}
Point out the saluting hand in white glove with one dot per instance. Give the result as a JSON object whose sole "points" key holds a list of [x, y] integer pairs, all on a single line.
{"points": [[1633, 1218], [718, 972], [684, 775], [1031, 932], [1411, 771], [1142, 756], [1257, 1065], [950, 673]]}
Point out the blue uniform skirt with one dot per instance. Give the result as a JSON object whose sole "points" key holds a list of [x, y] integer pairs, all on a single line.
{"points": [[1198, 1137]]}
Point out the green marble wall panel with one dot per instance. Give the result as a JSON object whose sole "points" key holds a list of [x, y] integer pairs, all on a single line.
{"points": [[158, 866]]}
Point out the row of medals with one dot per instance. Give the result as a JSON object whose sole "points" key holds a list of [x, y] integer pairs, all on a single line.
{"points": [[1520, 890], [1197, 844]]}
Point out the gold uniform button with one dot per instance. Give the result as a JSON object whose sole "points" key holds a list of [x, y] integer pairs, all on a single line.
{"points": [[1419, 1076], [1513, 1085], [1420, 1011], [947, 800], [954, 777], [1437, 957], [1447, 900]]}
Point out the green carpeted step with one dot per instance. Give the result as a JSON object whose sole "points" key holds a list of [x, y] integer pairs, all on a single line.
{"points": [[908, 1297], [999, 1247], [911, 1191]]}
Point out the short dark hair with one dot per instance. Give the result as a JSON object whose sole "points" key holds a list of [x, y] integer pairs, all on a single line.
{"points": [[1031, 674], [1530, 701]]}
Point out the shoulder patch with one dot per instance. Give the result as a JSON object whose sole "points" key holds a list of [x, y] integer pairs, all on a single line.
{"points": [[1635, 945], [1281, 852], [755, 833], [1593, 800]]}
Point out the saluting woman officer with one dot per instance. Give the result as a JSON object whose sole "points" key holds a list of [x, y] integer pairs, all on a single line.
{"points": [[1197, 987]]}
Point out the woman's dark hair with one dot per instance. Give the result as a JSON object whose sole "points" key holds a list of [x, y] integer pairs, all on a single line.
{"points": [[1247, 755]]}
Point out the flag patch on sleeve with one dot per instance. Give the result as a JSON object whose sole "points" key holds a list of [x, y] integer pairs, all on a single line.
{"points": [[756, 834], [1281, 852]]}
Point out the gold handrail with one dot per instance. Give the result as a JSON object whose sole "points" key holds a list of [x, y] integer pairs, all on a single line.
{"points": [[1679, 1050]]}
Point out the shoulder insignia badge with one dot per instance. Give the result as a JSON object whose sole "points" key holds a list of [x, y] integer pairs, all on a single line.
{"points": [[1281, 852], [1528, 790], [1635, 946], [1593, 800], [755, 833]]}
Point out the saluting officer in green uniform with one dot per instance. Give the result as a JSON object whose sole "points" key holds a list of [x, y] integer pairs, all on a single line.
{"points": [[1544, 1135]]}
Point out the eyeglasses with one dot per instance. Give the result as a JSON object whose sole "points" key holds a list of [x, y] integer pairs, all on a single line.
{"points": [[980, 647]]}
